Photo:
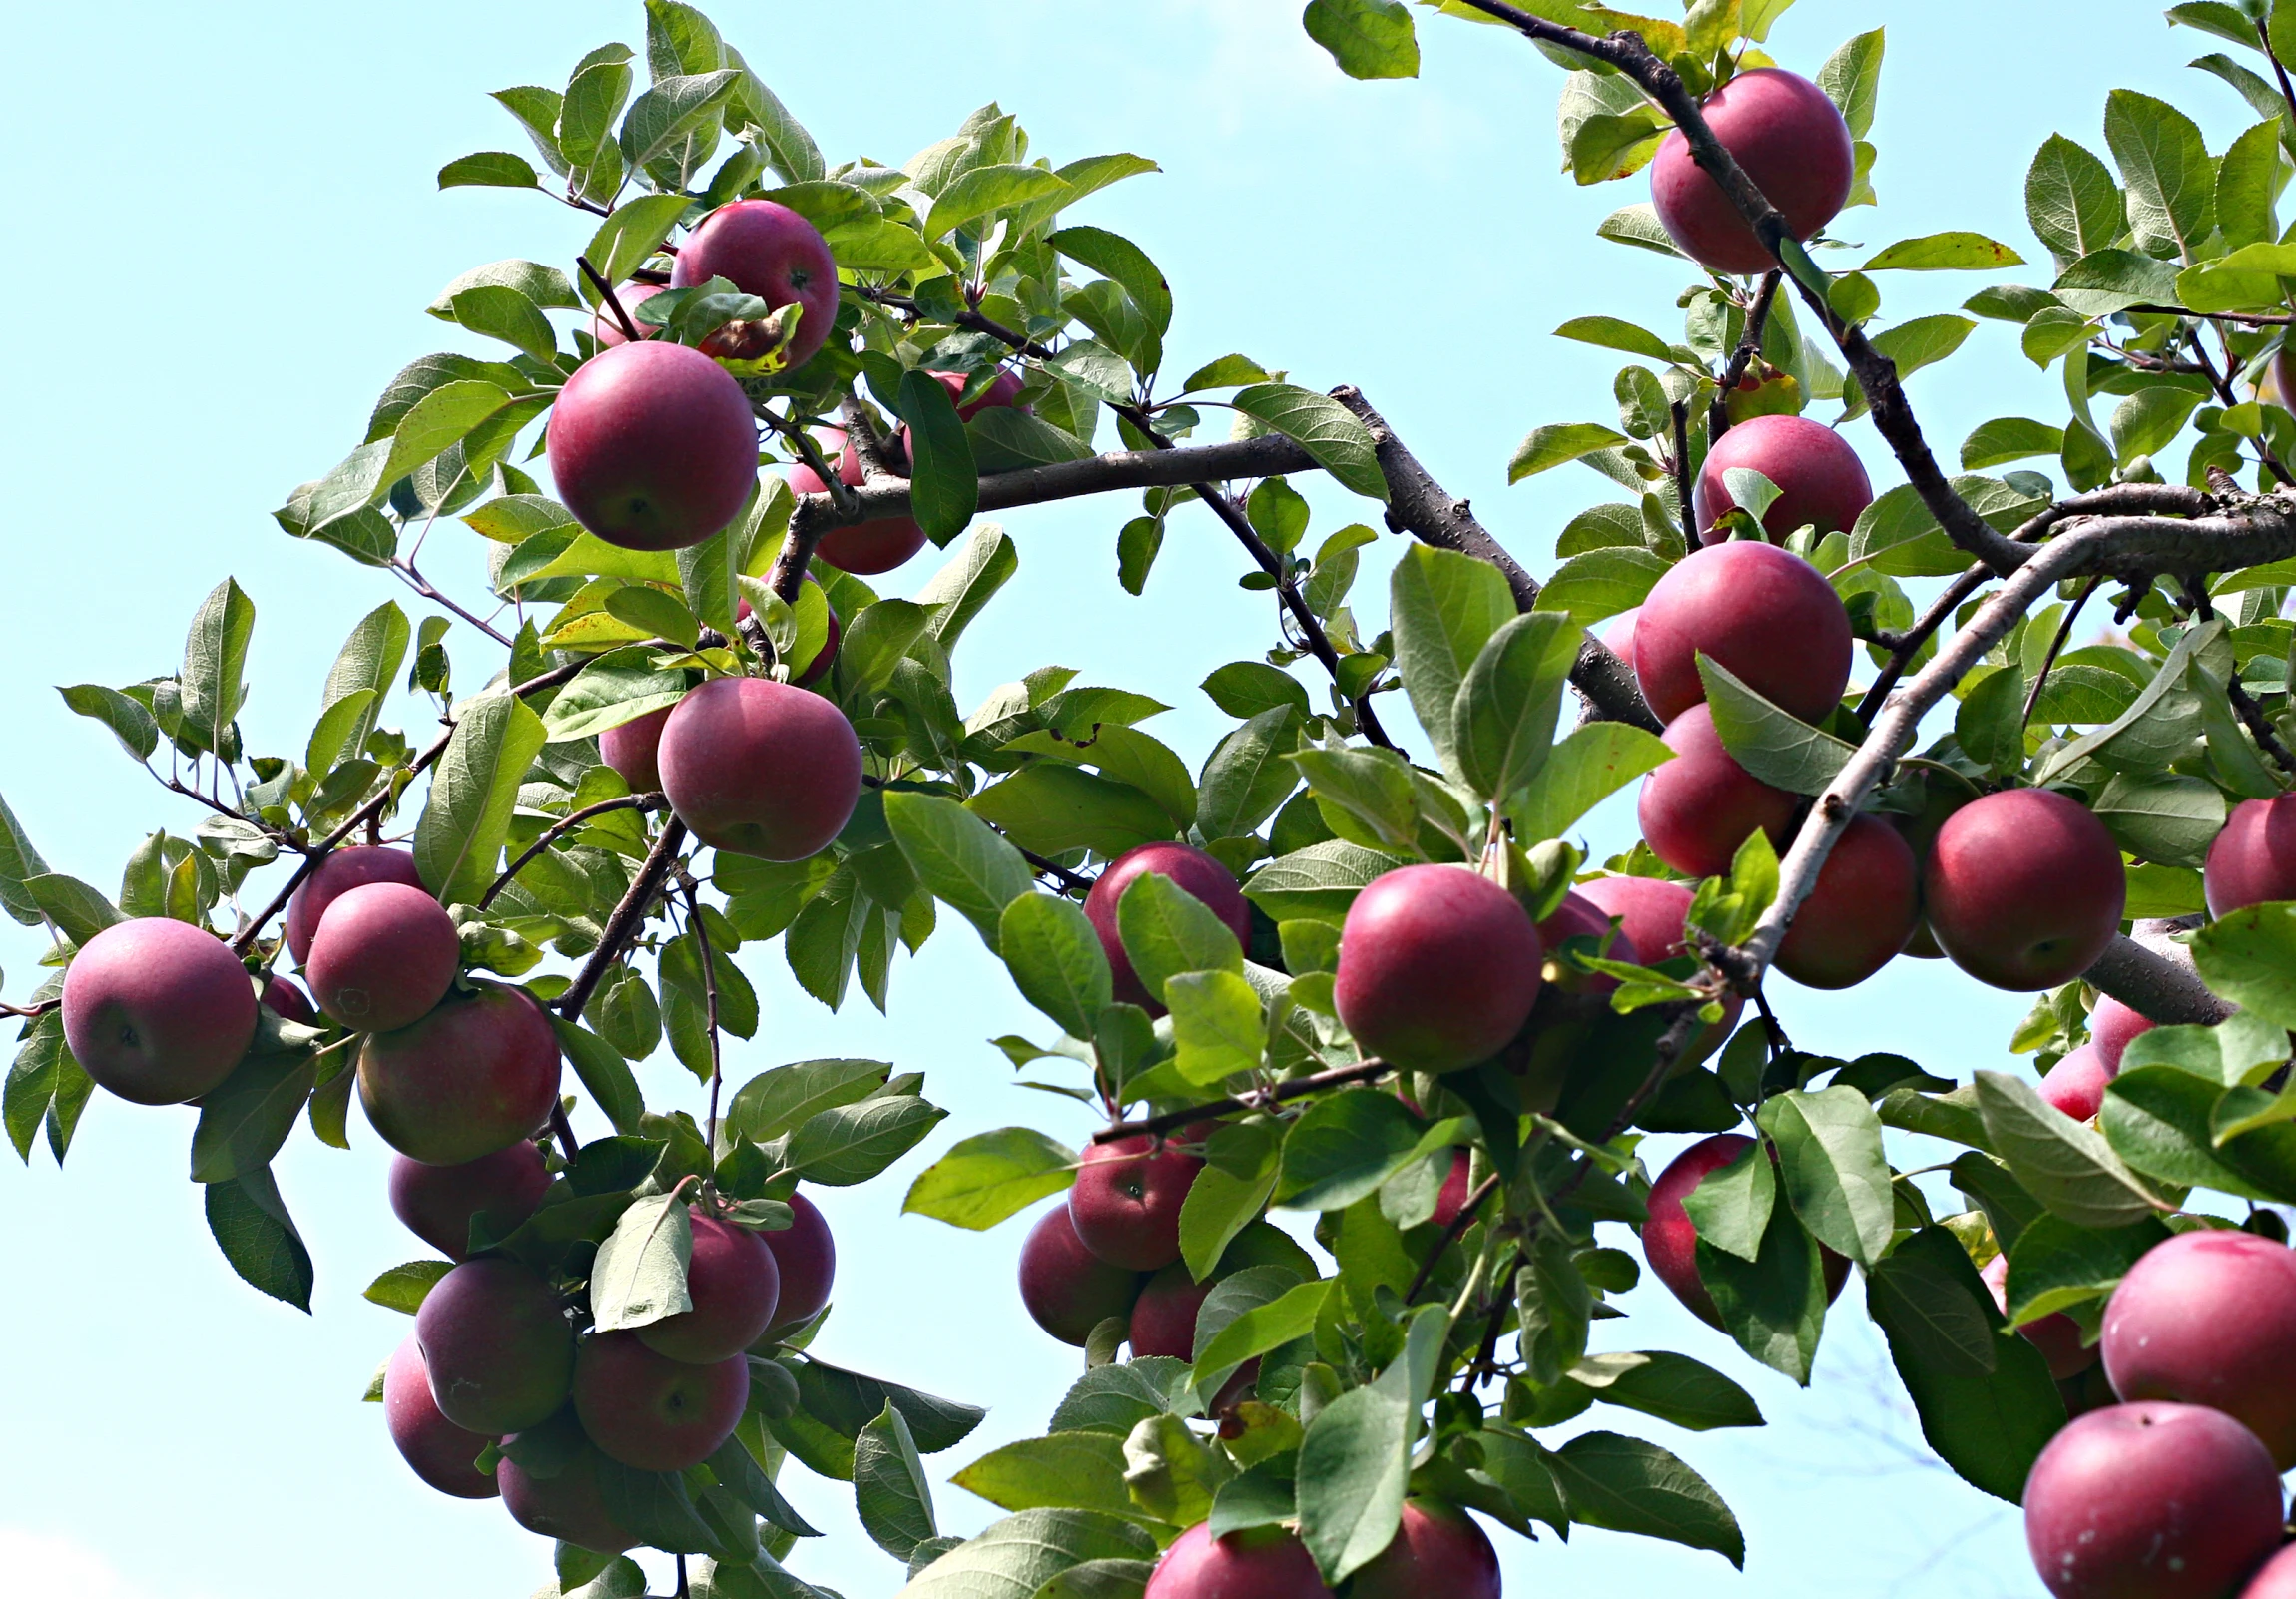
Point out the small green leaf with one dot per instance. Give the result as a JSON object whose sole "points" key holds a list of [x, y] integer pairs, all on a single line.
{"points": [[1368, 38], [404, 1288], [987, 1178]]}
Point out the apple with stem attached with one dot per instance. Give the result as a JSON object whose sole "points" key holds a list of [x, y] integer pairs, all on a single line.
{"points": [[653, 446], [1127, 1197], [498, 1345], [765, 248], [649, 1411]]}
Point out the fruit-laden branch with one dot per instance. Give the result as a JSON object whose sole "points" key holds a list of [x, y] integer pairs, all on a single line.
{"points": [[244, 939], [2156, 981], [558, 829], [622, 926], [1419, 506], [1173, 1121]]}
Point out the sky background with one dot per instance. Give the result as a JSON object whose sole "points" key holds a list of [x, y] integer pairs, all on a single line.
{"points": [[252, 187]]}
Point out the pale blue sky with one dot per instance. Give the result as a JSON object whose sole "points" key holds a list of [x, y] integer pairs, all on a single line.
{"points": [[236, 209]]}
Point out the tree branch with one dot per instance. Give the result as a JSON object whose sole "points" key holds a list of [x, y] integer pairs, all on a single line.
{"points": [[1741, 359], [1452, 1234], [558, 829], [623, 925], [424, 586], [970, 319], [1172, 1121]]}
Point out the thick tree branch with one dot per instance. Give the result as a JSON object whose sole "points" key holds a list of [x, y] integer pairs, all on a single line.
{"points": [[2154, 981]]}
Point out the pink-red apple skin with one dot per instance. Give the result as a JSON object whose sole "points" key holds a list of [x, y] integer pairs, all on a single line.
{"points": [[2024, 888], [2151, 1502], [1697, 808], [1579, 917], [1127, 1197], [1189, 870], [476, 1075], [1439, 968], [2209, 1317], [1670, 1242], [1821, 482], [1004, 391], [653, 446], [498, 1346], [2075, 1084], [336, 876], [441, 1453], [634, 749], [763, 247], [652, 1412], [761, 768], [1438, 1550], [2276, 1579], [1861, 910], [2058, 1336], [606, 327], [288, 1003], [383, 958], [567, 1506], [1164, 1317], [1262, 1563], [438, 1203], [861, 548], [1764, 614], [805, 1255], [1618, 638], [156, 1010], [1065, 1287], [2112, 1028], [1455, 1191], [735, 1287], [1787, 137], [1653, 913], [2253, 861]]}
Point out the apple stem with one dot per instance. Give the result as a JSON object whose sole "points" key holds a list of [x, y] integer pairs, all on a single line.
{"points": [[1742, 358]]}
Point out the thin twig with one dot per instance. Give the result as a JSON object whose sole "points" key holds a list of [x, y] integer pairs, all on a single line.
{"points": [[424, 587], [2259, 724], [558, 829], [1903, 647], [1070, 881], [709, 998], [623, 925], [1452, 1234], [1171, 1121], [1684, 491], [810, 453], [2237, 318], [28, 1012], [606, 294], [970, 320], [2055, 648], [1742, 358]]}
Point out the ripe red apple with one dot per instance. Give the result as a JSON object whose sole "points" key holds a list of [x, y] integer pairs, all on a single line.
{"points": [[1670, 1242], [383, 958], [2151, 1501], [1821, 482], [474, 1076], [156, 1010], [1787, 137], [288, 1002], [735, 1286], [1004, 391], [2110, 1028], [438, 1203], [1189, 870], [1618, 638], [1764, 613], [632, 749], [2277, 1578], [2209, 1317], [761, 768], [1261, 1563], [2283, 386], [1652, 912], [861, 548], [1438, 1550], [765, 248], [336, 876], [441, 1453], [1862, 909], [2075, 1084], [2056, 1336], [1439, 968], [2253, 861], [606, 327], [1164, 1316], [1697, 808], [500, 1349], [650, 1412], [1068, 1289], [1127, 1197], [653, 446], [567, 1506], [1558, 1030], [2024, 888], [1580, 917], [807, 1258], [1455, 1188]]}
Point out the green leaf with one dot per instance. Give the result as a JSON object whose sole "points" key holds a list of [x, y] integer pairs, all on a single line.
{"points": [[2162, 816], [1269, 1325], [2069, 1167], [635, 231], [1051, 807], [1591, 762], [1222, 1202], [1673, 1387], [1602, 583], [671, 112], [1558, 444], [1608, 332], [1244, 688], [1773, 746], [603, 1072], [603, 696], [945, 491], [640, 1272], [404, 1288], [458, 840], [2171, 180], [497, 313], [1322, 426], [1356, 1459], [2057, 1264], [1345, 1148], [1018, 1556], [1832, 1168], [782, 1100], [2010, 438], [967, 582], [252, 1226], [18, 862], [493, 168], [215, 661], [1852, 78], [1218, 1026], [1774, 1305], [985, 189], [1056, 961], [1246, 778], [2162, 1122], [367, 664], [1638, 226], [959, 858], [1983, 1396], [1317, 882], [130, 722], [245, 1120], [1368, 38], [1731, 1206], [1629, 1485], [1443, 607], [1166, 931], [1126, 264], [2248, 181], [78, 911], [2148, 421], [1080, 1471], [1503, 718], [889, 1486], [1949, 252], [987, 1178], [2109, 281]]}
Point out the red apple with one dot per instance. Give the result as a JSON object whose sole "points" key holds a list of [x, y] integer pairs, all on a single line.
{"points": [[1457, 1188], [2056, 1336], [438, 1203], [2277, 1578], [441, 1453], [288, 1003], [1164, 1316], [1618, 638], [500, 1349], [1670, 1242], [1862, 909], [567, 1506], [1765, 614], [2024, 888], [2209, 1317], [2110, 1027], [1439, 968], [761, 768], [765, 248], [1653, 912], [1068, 1289], [383, 958], [1004, 391], [1697, 808], [336, 876], [2253, 861], [2151, 1501], [2075, 1084], [652, 1412], [156, 1010], [1261, 1563], [1187, 869], [1127, 1197], [1787, 137], [806, 1258], [653, 446], [1821, 482], [474, 1076], [1439, 1551], [861, 548], [606, 327], [632, 749], [734, 1286]]}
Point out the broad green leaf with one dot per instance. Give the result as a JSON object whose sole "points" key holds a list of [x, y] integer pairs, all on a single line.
{"points": [[252, 1226], [1018, 1556], [1594, 760], [634, 231], [1631, 1485], [674, 112], [967, 582], [1345, 1148], [458, 840], [640, 1273], [1322, 426], [130, 722], [1602, 583], [945, 491], [779, 1101], [1671, 1387], [1319, 881], [1731, 1206], [987, 1178], [1774, 746], [1056, 961], [404, 1288], [1503, 718], [77, 910], [2148, 421], [1051, 807], [18, 862], [1166, 930], [2057, 1263], [1774, 1305], [368, 663], [1218, 1026], [1355, 1460], [985, 189], [2172, 182], [1558, 444], [1443, 607], [1832, 1168], [495, 169], [849, 1144], [1368, 38], [958, 857], [2068, 1166], [1608, 332], [1269, 1325], [604, 1072], [1126, 264], [2010, 438], [215, 663], [1852, 78], [1949, 252], [1246, 778], [1080, 1471], [889, 1487], [245, 1120]]}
